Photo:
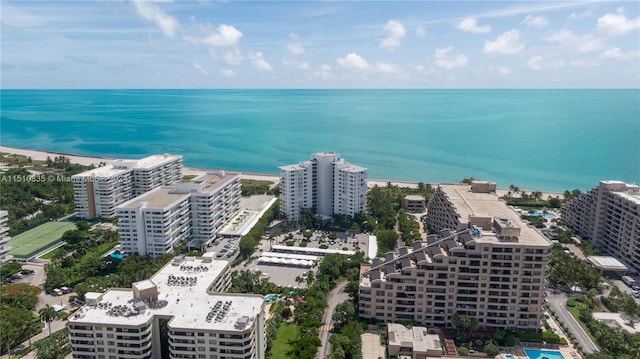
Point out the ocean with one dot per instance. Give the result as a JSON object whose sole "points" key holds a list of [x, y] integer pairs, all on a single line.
{"points": [[548, 140]]}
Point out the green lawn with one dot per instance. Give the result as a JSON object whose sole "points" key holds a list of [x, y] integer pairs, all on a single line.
{"points": [[280, 346], [29, 243]]}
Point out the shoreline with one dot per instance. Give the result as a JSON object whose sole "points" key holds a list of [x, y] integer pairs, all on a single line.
{"points": [[95, 160]]}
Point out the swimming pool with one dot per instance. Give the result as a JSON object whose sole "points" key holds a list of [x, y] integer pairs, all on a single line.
{"points": [[117, 255], [539, 354]]}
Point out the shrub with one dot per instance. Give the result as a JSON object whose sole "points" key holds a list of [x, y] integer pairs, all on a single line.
{"points": [[510, 340], [491, 350], [290, 243], [462, 350], [345, 248], [303, 244], [323, 246]]}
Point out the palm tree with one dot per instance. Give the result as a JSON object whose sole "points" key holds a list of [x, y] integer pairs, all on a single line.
{"points": [[48, 314]]}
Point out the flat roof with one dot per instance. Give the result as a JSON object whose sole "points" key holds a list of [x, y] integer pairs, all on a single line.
{"points": [[353, 168], [469, 203], [294, 167], [156, 160], [187, 304], [213, 181], [160, 198], [417, 338], [607, 263], [414, 197], [103, 172]]}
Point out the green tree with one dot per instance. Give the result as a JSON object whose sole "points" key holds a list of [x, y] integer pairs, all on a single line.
{"points": [[48, 314], [491, 350], [48, 348], [343, 313]]}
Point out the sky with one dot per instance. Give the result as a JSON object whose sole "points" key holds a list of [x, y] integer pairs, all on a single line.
{"points": [[319, 44]]}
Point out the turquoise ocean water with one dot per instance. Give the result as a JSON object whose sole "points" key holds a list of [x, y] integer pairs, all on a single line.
{"points": [[538, 139]]}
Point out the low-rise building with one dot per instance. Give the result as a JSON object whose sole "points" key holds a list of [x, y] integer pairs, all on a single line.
{"points": [[180, 312], [412, 343], [414, 203]]}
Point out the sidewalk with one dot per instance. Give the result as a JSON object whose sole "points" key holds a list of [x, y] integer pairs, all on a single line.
{"points": [[568, 351]]}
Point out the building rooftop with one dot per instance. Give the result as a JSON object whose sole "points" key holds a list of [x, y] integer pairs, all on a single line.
{"points": [[418, 338], [607, 263], [353, 169], [213, 181], [103, 172], [468, 203], [414, 197], [156, 160], [182, 294], [161, 197], [294, 167]]}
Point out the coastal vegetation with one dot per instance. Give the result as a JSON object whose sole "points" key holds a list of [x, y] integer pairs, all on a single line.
{"points": [[17, 302], [249, 242], [35, 191], [252, 187], [83, 267]]}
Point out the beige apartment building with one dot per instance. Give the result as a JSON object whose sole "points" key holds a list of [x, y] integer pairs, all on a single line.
{"points": [[412, 343], [98, 191], [326, 183], [609, 217], [156, 221], [4, 237], [180, 312], [485, 262]]}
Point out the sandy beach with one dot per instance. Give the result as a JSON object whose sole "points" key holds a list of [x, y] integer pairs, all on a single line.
{"points": [[93, 160]]}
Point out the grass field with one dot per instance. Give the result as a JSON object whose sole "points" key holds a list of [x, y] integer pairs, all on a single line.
{"points": [[29, 243], [280, 345]]}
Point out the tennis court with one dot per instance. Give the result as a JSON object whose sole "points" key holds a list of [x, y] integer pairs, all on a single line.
{"points": [[31, 242]]}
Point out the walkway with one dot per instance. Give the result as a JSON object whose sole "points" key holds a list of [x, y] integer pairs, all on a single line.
{"points": [[558, 302]]}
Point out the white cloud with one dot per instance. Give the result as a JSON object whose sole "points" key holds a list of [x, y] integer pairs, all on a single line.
{"points": [[419, 68], [226, 35], [586, 13], [295, 49], [536, 21], [420, 31], [294, 36], [501, 70], [387, 68], [299, 65], [258, 61], [508, 44], [201, 69], [470, 24], [353, 61], [446, 59], [539, 63], [583, 43], [616, 54], [617, 25], [323, 71], [233, 57], [584, 62], [150, 11], [227, 73], [395, 32]]}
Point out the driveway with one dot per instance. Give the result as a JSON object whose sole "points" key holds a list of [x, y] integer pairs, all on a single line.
{"points": [[335, 297], [558, 302]]}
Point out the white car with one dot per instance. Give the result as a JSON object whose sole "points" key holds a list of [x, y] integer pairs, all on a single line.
{"points": [[636, 293]]}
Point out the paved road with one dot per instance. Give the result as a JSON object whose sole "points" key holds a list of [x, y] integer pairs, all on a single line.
{"points": [[558, 302], [335, 297], [55, 326]]}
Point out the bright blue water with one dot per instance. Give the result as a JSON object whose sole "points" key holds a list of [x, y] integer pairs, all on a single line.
{"points": [[536, 139], [117, 255], [539, 354], [541, 214]]}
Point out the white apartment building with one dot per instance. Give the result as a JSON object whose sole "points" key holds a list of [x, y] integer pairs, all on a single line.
{"points": [[156, 221], [327, 183], [180, 312], [98, 191], [609, 217], [4, 237], [485, 263], [215, 199]]}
